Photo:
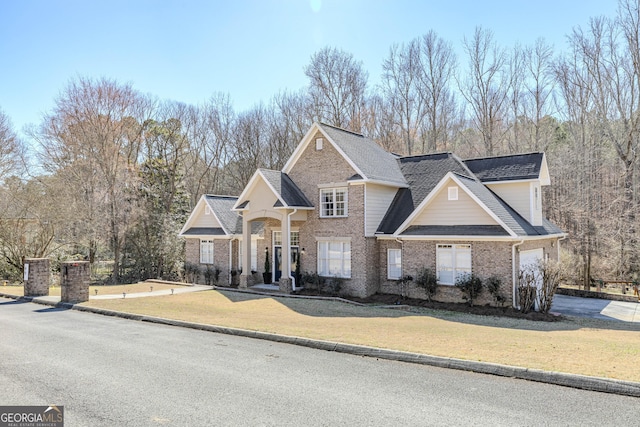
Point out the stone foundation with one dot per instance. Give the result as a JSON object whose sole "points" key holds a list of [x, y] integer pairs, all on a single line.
{"points": [[74, 281], [37, 277]]}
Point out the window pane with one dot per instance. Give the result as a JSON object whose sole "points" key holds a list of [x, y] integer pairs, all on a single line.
{"points": [[394, 264]]}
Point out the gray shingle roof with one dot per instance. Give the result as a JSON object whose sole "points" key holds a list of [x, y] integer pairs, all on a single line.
{"points": [[221, 206], [422, 174], [507, 168], [287, 190], [455, 230], [204, 231], [372, 160], [512, 219]]}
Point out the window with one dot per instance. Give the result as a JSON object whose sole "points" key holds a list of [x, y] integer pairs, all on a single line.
{"points": [[536, 197], [333, 202], [334, 259], [394, 264], [294, 237], [453, 261], [207, 210], [206, 251], [254, 254], [453, 193], [319, 142]]}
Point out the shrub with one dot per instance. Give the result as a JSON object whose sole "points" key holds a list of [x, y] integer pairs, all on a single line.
{"points": [[334, 286], [470, 285], [550, 274], [427, 280], [313, 280], [527, 284], [493, 285], [192, 272], [211, 275]]}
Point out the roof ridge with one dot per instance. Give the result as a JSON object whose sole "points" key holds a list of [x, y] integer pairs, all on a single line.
{"points": [[342, 129], [503, 155], [221, 196]]}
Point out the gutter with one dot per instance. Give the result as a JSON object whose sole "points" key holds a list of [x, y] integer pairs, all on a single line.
{"points": [[513, 271]]}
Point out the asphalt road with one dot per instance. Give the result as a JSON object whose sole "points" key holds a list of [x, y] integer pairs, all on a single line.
{"points": [[114, 372]]}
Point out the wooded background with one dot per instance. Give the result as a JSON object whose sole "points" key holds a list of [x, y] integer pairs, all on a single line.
{"points": [[110, 174]]}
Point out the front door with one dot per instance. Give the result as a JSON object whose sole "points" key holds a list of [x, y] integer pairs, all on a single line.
{"points": [[278, 261]]}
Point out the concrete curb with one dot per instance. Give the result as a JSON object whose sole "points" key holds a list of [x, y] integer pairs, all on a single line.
{"points": [[605, 385]]}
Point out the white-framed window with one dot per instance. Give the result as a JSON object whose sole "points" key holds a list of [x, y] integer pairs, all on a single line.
{"points": [[207, 210], [334, 258], [394, 264], [254, 254], [319, 142], [453, 261], [294, 238], [333, 202], [453, 193], [206, 251]]}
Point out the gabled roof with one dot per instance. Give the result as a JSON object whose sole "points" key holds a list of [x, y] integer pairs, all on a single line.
{"points": [[220, 206], [426, 173], [370, 161], [510, 168], [287, 193], [422, 174]]}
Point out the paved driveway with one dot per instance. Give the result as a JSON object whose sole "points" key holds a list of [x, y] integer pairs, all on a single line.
{"points": [[596, 308]]}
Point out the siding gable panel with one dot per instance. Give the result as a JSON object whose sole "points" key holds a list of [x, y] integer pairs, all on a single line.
{"points": [[442, 211], [377, 201]]}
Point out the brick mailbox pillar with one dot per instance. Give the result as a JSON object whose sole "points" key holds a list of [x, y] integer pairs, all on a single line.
{"points": [[74, 281], [36, 277]]}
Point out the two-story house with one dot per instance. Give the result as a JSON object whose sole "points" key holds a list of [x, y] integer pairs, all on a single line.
{"points": [[344, 207]]}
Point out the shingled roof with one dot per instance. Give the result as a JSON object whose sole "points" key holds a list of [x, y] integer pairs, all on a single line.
{"points": [[373, 161], [507, 168], [287, 190], [422, 174]]}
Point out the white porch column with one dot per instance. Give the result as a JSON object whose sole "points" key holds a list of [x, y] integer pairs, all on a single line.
{"points": [[246, 252], [285, 281]]}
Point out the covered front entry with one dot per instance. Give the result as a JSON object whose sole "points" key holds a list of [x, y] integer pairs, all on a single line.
{"points": [[271, 194]]}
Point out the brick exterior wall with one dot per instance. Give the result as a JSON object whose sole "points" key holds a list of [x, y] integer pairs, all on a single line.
{"points": [[220, 257], [323, 167], [487, 259]]}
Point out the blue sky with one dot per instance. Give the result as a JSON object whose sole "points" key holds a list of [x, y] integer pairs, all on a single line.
{"points": [[187, 50]]}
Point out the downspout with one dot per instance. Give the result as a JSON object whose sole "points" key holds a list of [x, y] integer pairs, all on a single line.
{"points": [[293, 279], [229, 276], [513, 271]]}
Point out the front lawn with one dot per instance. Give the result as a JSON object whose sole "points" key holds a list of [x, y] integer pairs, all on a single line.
{"points": [[574, 345]]}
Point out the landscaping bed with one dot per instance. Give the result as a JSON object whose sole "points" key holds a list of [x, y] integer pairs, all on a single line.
{"points": [[484, 310]]}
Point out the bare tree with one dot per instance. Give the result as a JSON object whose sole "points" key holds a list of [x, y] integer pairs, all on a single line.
{"points": [[538, 89], [337, 86], [92, 140], [437, 66], [400, 87], [11, 148], [485, 88]]}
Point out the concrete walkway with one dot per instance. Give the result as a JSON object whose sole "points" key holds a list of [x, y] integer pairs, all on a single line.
{"points": [[174, 291], [596, 308]]}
